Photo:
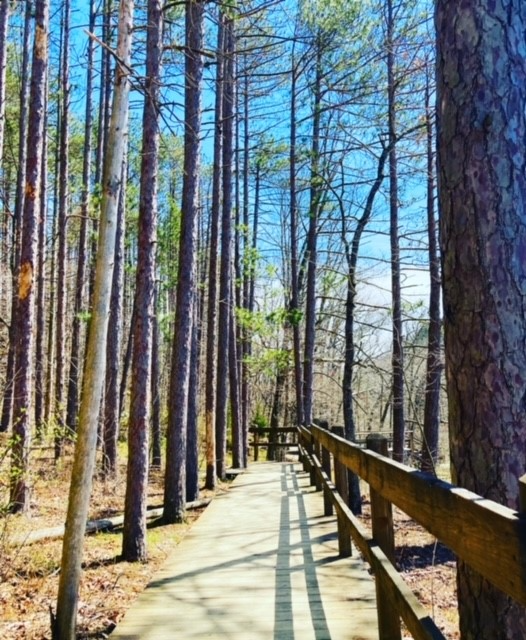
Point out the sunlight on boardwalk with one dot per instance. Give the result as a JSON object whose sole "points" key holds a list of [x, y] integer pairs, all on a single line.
{"points": [[260, 564]]}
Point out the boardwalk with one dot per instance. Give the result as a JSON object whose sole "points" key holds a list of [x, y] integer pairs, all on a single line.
{"points": [[261, 563]]}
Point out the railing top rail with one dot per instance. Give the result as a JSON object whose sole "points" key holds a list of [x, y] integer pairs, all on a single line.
{"points": [[491, 538]]}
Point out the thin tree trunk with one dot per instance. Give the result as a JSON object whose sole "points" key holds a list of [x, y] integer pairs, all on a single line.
{"points": [[312, 240], [80, 285], [192, 432], [84, 460], [4, 24], [63, 204], [7, 403], [176, 441], [235, 408], [134, 531], [211, 336], [126, 361], [434, 364], [398, 337], [351, 255], [156, 386], [294, 311], [248, 270], [111, 409], [226, 252], [41, 290], [25, 304]]}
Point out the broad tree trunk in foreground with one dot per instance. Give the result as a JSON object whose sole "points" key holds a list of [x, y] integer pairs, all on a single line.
{"points": [[84, 461], [482, 188]]}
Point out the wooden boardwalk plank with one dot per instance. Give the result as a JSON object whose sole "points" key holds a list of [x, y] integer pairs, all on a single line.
{"points": [[261, 563]]}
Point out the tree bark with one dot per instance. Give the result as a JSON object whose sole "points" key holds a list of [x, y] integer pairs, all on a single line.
{"points": [[481, 90], [80, 285], [62, 222], [4, 24], [84, 460], [134, 531], [312, 241], [397, 357], [25, 304], [226, 251], [351, 255], [111, 405], [7, 403], [156, 386], [294, 310], [211, 335], [176, 441], [41, 289], [433, 365]]}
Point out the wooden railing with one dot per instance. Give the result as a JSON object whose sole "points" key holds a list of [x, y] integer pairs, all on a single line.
{"points": [[271, 437], [487, 536]]}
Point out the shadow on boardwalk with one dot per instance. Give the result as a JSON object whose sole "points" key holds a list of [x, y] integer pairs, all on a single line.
{"points": [[260, 563]]}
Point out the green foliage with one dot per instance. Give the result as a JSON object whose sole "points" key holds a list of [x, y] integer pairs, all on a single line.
{"points": [[329, 16], [259, 420], [269, 361], [294, 317]]}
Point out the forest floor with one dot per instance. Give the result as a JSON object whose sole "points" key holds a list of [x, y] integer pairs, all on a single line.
{"points": [[29, 572]]}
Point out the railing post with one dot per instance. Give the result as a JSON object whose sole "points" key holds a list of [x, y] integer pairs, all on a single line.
{"points": [[317, 452], [340, 470], [326, 466], [342, 486], [256, 445], [383, 533], [309, 447]]}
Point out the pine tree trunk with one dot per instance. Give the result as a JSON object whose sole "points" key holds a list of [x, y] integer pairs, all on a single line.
{"points": [[25, 304], [156, 387], [23, 121], [481, 98], [63, 204], [351, 255], [312, 241], [397, 358], [80, 285], [40, 386], [226, 252], [294, 310], [4, 24], [134, 531], [434, 365], [176, 442], [211, 335]]}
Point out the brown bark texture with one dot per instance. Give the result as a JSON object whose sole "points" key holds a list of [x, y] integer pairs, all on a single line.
{"points": [[176, 440], [26, 289], [482, 185], [134, 532]]}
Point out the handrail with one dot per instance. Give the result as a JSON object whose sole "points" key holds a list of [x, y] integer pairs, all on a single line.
{"points": [[489, 537], [271, 441]]}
